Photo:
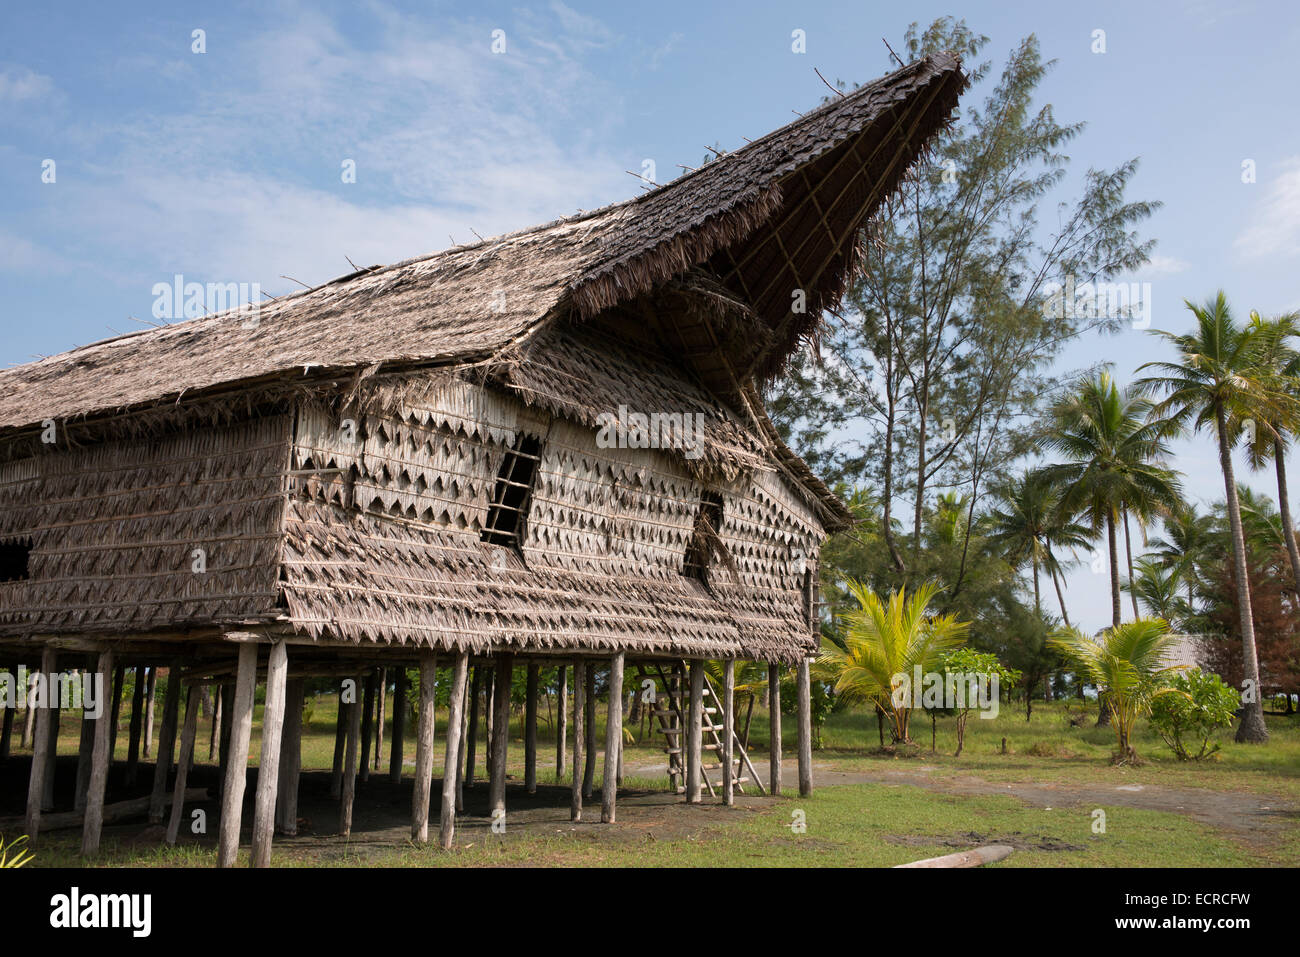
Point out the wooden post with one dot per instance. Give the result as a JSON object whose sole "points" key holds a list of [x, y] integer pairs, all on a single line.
{"points": [[93, 823], [29, 714], [6, 732], [589, 769], [40, 746], [137, 722], [379, 716], [290, 758], [52, 743], [216, 722], [86, 746], [500, 731], [350, 761], [151, 692], [530, 732], [694, 733], [451, 761], [613, 739], [464, 743], [805, 729], [489, 714], [395, 748], [227, 730], [424, 748], [236, 779], [471, 744], [340, 746], [561, 723], [166, 741], [119, 683], [188, 733], [367, 725], [268, 770], [728, 732], [774, 727], [579, 736]]}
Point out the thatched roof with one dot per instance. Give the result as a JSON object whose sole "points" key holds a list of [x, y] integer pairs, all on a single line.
{"points": [[781, 213]]}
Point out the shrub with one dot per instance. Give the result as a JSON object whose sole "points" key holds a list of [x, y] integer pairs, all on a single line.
{"points": [[1201, 704]]}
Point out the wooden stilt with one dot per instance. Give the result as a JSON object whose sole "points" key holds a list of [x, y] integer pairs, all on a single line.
{"points": [[40, 745], [395, 749], [367, 725], [774, 728], [166, 741], [613, 740], [424, 748], [729, 732], [93, 823], [188, 733], [236, 779], [451, 760], [286, 810], [268, 769], [86, 746], [215, 694], [561, 722], [379, 715], [7, 727], [52, 744], [471, 745], [227, 729], [29, 715], [340, 747], [694, 733], [805, 729], [150, 693], [500, 731], [119, 683], [350, 762], [137, 724], [579, 736], [530, 732], [489, 714], [464, 743], [589, 768]]}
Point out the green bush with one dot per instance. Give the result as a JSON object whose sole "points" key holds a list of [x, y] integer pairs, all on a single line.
{"points": [[1199, 706]]}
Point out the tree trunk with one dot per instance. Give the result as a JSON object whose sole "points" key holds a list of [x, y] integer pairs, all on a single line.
{"points": [[1128, 550], [561, 721], [1060, 595], [1252, 727], [268, 768], [1115, 615], [1284, 507], [451, 756]]}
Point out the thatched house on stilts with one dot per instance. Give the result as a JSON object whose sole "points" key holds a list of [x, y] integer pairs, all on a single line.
{"points": [[544, 448]]}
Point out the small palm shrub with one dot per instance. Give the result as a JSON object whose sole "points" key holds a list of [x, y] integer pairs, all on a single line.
{"points": [[1188, 719]]}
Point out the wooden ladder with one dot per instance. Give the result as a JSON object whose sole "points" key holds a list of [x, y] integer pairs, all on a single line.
{"points": [[669, 712]]}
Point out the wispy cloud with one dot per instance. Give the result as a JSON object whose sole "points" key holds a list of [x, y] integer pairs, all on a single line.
{"points": [[20, 84], [1275, 228]]}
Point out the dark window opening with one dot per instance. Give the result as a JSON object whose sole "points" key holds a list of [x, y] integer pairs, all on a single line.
{"points": [[14, 558], [514, 487], [704, 543]]}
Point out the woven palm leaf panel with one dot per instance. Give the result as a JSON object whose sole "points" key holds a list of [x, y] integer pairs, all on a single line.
{"points": [[114, 528]]}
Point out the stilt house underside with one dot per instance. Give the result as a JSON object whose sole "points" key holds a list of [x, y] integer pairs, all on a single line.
{"points": [[419, 455]]}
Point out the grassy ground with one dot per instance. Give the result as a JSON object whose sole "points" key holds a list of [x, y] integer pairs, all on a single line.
{"points": [[1043, 796]]}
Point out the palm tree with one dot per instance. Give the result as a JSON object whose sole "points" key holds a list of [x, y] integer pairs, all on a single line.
{"points": [[1156, 585], [1024, 524], [1130, 664], [1220, 383], [1115, 451], [1269, 438], [1188, 539], [884, 642]]}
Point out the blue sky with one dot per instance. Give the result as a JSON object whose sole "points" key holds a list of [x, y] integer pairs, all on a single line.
{"points": [[226, 166]]}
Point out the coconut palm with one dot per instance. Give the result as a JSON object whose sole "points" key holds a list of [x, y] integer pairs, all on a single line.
{"points": [[1155, 585], [1129, 664], [1115, 452], [884, 641], [1221, 382], [1024, 523], [1267, 440], [1187, 541]]}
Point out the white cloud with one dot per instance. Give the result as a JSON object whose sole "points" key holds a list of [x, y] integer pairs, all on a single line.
{"points": [[1275, 228], [19, 84], [1159, 266]]}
